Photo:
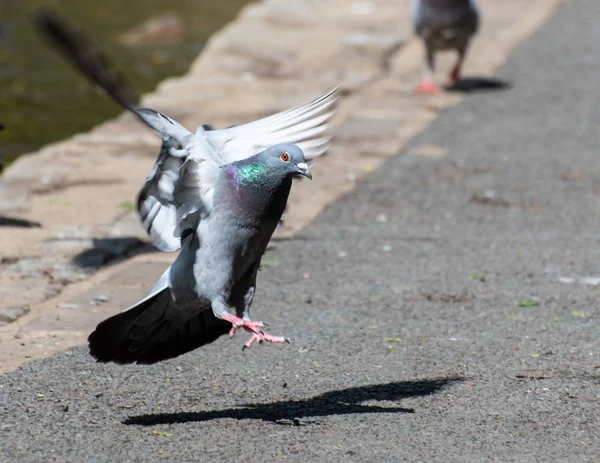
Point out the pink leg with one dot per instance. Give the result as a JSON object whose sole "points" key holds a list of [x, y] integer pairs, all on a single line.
{"points": [[427, 87], [261, 336], [252, 327], [455, 75], [237, 322]]}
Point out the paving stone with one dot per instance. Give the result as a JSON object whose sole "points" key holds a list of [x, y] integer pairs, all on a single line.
{"points": [[119, 297], [16, 292], [145, 274], [10, 314], [84, 311], [14, 197]]}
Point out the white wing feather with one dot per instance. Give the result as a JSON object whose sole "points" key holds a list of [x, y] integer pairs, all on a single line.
{"points": [[304, 125]]}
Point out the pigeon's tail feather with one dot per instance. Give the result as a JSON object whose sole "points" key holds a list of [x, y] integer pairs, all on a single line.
{"points": [[154, 330]]}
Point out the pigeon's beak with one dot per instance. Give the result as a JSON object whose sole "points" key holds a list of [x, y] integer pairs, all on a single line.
{"points": [[302, 169]]}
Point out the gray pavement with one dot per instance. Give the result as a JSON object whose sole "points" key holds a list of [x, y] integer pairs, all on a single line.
{"points": [[440, 312]]}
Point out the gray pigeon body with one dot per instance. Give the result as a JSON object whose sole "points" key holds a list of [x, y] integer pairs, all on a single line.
{"points": [[224, 234], [444, 25], [307, 126]]}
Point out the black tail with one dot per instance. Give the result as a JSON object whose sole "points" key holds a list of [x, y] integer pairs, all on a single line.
{"points": [[77, 49], [154, 330]]}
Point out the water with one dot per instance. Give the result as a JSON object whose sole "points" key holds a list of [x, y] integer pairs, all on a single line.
{"points": [[43, 99]]}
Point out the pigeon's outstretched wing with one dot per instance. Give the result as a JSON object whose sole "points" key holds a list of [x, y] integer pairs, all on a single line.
{"points": [[160, 209], [157, 202], [307, 125]]}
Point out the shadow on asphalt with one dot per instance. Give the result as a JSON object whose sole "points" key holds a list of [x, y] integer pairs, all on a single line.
{"points": [[289, 412], [106, 250], [10, 222], [479, 84]]}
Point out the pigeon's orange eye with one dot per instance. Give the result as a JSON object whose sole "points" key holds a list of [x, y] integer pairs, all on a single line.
{"points": [[285, 157]]}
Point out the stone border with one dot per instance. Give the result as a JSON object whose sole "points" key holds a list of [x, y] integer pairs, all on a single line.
{"points": [[274, 55]]}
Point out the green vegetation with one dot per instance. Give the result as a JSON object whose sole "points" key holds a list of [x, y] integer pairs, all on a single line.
{"points": [[45, 100], [127, 205]]}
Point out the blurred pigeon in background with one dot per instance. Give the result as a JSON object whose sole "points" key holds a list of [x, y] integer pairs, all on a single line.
{"points": [[306, 125], [444, 25], [227, 214]]}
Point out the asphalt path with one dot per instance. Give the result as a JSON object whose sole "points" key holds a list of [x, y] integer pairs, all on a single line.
{"points": [[444, 311]]}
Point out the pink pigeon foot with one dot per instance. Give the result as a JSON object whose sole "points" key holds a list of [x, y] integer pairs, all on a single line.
{"points": [[261, 336], [253, 327], [427, 87], [249, 325]]}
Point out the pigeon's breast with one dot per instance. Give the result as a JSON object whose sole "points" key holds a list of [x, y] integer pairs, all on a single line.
{"points": [[228, 244]]}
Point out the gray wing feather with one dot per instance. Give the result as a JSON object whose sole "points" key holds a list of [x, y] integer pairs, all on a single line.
{"points": [[157, 201]]}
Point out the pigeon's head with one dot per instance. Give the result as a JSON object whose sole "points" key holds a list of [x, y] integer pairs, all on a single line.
{"points": [[285, 159]]}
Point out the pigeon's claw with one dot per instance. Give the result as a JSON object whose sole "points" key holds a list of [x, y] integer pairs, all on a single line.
{"points": [[248, 325], [254, 327], [261, 337], [454, 76]]}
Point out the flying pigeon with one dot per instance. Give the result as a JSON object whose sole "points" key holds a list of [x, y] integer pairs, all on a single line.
{"points": [[306, 125], [444, 25], [227, 214]]}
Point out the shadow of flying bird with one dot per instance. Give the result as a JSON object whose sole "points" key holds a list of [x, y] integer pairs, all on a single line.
{"points": [[332, 403]]}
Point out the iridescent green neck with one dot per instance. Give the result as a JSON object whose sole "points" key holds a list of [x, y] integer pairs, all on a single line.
{"points": [[251, 172]]}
